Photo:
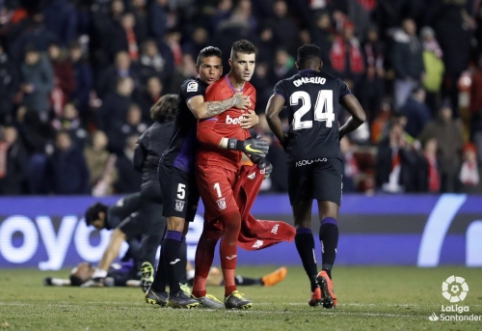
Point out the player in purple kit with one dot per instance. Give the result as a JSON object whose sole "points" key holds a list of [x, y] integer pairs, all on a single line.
{"points": [[176, 174], [313, 101]]}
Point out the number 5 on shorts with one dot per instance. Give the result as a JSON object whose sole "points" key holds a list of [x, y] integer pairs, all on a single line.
{"points": [[181, 191]]}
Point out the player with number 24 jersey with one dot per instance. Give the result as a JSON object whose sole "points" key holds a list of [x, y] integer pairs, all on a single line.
{"points": [[313, 100]]}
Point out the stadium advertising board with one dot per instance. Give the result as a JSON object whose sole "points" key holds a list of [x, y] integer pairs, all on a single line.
{"points": [[49, 232]]}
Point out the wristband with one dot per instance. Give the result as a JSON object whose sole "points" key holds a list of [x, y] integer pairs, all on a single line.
{"points": [[235, 144]]}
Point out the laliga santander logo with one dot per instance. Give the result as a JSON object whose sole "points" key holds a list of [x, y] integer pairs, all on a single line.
{"points": [[455, 289]]}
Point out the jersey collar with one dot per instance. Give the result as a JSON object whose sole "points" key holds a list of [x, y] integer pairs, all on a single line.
{"points": [[308, 72], [231, 85]]}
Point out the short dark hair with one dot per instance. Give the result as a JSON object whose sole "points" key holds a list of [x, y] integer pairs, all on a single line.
{"points": [[207, 52], [308, 53], [242, 46], [122, 80], [30, 48], [74, 45], [164, 108], [417, 89], [63, 132], [75, 280], [92, 213]]}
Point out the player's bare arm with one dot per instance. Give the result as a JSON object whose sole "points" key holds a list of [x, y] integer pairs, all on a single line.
{"points": [[110, 254], [357, 118], [274, 107], [202, 109]]}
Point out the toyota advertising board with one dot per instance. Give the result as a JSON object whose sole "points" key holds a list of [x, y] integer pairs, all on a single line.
{"points": [[49, 232]]}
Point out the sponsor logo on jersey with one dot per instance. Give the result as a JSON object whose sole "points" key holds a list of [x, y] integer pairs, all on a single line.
{"points": [[234, 121], [306, 162], [309, 80], [221, 203], [179, 206], [192, 87]]}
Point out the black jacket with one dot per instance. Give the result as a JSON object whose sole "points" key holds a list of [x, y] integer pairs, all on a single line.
{"points": [[67, 173], [408, 160], [122, 208], [13, 182], [150, 147]]}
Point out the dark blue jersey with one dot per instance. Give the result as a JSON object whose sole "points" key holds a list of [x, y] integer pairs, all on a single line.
{"points": [[313, 102], [183, 143]]}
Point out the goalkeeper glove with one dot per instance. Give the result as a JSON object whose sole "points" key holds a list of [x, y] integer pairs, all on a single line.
{"points": [[251, 146], [266, 168], [262, 165]]}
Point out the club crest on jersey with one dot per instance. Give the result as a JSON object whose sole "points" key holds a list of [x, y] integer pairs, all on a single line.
{"points": [[258, 243], [252, 176], [192, 87], [179, 205], [221, 203]]}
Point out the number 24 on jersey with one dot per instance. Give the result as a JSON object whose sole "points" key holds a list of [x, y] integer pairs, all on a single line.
{"points": [[323, 111]]}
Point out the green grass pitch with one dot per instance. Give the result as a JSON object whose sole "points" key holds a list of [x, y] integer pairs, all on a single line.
{"points": [[370, 298]]}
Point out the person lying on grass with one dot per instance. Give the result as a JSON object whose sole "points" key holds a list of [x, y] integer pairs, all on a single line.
{"points": [[125, 274]]}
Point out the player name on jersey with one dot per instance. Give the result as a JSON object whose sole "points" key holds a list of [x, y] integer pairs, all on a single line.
{"points": [[309, 80]]}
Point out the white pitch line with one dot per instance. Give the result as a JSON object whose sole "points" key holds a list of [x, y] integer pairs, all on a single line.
{"points": [[312, 311], [255, 311], [252, 311]]}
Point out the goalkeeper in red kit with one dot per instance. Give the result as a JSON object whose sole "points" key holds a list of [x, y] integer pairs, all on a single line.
{"points": [[218, 162]]}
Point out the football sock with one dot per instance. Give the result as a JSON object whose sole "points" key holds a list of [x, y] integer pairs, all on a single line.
{"points": [[150, 243], [60, 282], [229, 281], [161, 278], [245, 281], [204, 259], [305, 244], [99, 273], [229, 249], [172, 245], [329, 242], [183, 263]]}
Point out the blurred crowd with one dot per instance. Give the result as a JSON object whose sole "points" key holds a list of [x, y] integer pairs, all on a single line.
{"points": [[78, 77]]}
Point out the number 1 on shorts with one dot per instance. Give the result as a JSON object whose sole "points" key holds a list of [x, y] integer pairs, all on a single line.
{"points": [[217, 187]]}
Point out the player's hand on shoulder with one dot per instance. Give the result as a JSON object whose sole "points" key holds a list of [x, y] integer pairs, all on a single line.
{"points": [[241, 101], [249, 120]]}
